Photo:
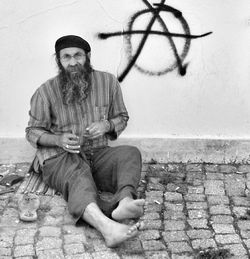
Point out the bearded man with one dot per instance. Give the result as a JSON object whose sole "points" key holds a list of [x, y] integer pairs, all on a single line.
{"points": [[72, 116]]}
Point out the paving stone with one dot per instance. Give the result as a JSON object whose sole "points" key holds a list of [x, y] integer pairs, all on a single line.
{"points": [[174, 215], [97, 245], [227, 239], [153, 208], [172, 196], [220, 209], [196, 189], [49, 231], [244, 168], [80, 256], [211, 168], [214, 187], [72, 229], [203, 243], [221, 219], [53, 220], [6, 237], [155, 194], [241, 201], [133, 246], [48, 243], [133, 256], [5, 251], [236, 249], [221, 199], [51, 253], [170, 226], [57, 210], [197, 214], [149, 235], [75, 238], [245, 233], [194, 167], [157, 255], [195, 197], [25, 236], [234, 188], [215, 176], [155, 186], [73, 249], [228, 169], [182, 256], [25, 250], [153, 245], [240, 211], [179, 247], [170, 236], [198, 223], [173, 206], [199, 234], [151, 216], [158, 200], [174, 225], [223, 228], [247, 242], [244, 225], [152, 224], [196, 205]]}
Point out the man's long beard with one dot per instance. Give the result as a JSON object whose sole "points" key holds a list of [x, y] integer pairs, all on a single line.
{"points": [[75, 82]]}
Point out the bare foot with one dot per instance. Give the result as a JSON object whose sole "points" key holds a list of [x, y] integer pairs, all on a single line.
{"points": [[128, 208], [118, 233]]}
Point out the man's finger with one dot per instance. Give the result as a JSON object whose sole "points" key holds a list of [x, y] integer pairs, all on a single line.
{"points": [[72, 147], [73, 142], [72, 150]]}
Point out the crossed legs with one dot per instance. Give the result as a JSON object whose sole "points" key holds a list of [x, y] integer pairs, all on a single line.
{"points": [[116, 170]]}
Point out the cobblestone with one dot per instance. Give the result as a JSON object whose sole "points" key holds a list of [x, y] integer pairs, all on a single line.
{"points": [[190, 207]]}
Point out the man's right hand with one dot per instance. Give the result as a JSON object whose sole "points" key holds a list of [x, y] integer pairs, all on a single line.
{"points": [[69, 142]]}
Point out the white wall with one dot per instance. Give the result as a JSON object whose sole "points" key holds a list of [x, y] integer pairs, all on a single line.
{"points": [[211, 100]]}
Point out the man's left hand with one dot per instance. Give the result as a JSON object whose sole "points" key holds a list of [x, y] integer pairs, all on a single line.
{"points": [[96, 130]]}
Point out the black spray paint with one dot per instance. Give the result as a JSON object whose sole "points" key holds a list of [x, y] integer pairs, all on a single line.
{"points": [[161, 7]]}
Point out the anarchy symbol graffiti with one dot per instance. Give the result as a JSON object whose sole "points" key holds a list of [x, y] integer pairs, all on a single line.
{"points": [[164, 32]]}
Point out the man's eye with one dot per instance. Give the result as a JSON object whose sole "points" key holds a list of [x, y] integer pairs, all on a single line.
{"points": [[66, 56], [78, 55]]}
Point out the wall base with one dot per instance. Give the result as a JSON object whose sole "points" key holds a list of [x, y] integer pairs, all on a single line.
{"points": [[18, 150]]}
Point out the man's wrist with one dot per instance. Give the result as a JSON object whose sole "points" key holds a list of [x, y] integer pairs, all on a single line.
{"points": [[107, 126]]}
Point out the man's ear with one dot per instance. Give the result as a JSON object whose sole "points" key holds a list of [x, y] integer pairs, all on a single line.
{"points": [[89, 55]]}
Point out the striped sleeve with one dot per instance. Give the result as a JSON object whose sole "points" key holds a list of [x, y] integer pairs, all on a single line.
{"points": [[39, 122], [118, 114]]}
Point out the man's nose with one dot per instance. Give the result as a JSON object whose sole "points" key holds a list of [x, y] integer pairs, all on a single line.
{"points": [[72, 61]]}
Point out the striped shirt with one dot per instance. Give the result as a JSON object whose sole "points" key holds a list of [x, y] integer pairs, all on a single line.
{"points": [[48, 113]]}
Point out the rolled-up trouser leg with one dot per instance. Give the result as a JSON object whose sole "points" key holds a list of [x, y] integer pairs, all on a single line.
{"points": [[117, 170], [70, 175]]}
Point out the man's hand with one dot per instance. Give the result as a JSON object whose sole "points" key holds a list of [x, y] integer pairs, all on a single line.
{"points": [[97, 129], [69, 142]]}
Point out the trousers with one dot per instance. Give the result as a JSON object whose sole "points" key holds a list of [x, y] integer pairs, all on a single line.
{"points": [[80, 178]]}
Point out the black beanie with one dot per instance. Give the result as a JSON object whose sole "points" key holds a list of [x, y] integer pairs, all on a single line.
{"points": [[72, 41]]}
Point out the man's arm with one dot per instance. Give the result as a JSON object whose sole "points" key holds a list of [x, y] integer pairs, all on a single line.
{"points": [[118, 115], [40, 121]]}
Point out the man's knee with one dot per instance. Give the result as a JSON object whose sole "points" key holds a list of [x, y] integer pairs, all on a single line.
{"points": [[131, 152]]}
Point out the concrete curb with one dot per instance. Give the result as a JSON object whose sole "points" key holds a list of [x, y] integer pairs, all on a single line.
{"points": [[163, 150]]}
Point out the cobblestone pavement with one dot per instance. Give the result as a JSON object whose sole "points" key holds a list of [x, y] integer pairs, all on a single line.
{"points": [[190, 208]]}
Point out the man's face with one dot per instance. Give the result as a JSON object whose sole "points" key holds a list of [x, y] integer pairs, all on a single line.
{"points": [[70, 57]]}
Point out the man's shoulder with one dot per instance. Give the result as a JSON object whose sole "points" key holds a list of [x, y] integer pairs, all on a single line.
{"points": [[49, 85], [104, 74], [49, 89], [51, 82]]}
